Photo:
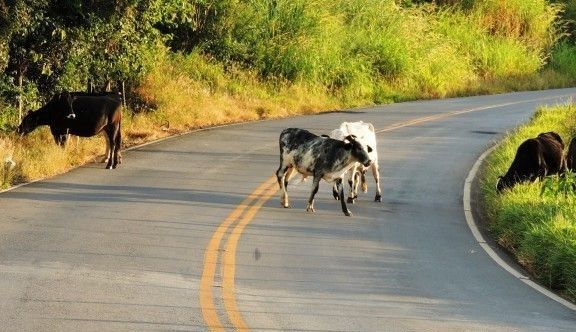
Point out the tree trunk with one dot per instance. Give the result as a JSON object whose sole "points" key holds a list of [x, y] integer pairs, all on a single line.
{"points": [[20, 95], [123, 95], [90, 86]]}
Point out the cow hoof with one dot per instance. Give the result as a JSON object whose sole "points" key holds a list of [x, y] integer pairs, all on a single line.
{"points": [[286, 206], [350, 200], [348, 213], [378, 198], [310, 209]]}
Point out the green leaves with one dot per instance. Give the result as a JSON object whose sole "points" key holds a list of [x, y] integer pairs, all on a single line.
{"points": [[559, 186]]}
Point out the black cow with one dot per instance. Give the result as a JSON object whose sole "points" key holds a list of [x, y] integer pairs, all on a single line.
{"points": [[535, 158], [319, 156], [571, 156], [81, 114]]}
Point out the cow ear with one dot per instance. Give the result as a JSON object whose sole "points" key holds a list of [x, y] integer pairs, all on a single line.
{"points": [[349, 139]]}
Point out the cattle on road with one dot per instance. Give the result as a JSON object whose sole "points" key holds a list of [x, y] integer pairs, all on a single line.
{"points": [[364, 133], [81, 114], [535, 158], [319, 156]]}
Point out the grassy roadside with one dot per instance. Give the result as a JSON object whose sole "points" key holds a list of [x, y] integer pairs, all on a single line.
{"points": [[540, 231], [271, 59]]}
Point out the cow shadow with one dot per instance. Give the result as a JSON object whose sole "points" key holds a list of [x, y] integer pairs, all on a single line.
{"points": [[73, 192]]}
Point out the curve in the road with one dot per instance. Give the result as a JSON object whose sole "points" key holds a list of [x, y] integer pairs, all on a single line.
{"points": [[266, 190], [179, 239]]}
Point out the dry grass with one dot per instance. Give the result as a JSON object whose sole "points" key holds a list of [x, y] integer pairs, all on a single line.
{"points": [[183, 104]]}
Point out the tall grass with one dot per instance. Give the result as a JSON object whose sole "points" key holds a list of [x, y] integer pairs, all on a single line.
{"points": [[563, 59], [269, 59], [538, 229]]}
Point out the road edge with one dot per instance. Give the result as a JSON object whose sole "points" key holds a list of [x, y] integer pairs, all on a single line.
{"points": [[492, 253]]}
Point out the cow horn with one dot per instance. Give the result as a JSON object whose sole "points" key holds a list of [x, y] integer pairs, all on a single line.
{"points": [[350, 139]]}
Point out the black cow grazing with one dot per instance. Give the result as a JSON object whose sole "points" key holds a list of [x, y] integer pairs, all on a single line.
{"points": [[571, 156], [535, 158], [81, 114], [319, 156]]}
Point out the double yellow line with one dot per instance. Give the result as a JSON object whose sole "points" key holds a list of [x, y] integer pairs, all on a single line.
{"points": [[245, 212], [241, 217]]}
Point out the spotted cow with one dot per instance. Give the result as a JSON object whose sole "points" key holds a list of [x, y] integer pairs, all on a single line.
{"points": [[318, 156]]}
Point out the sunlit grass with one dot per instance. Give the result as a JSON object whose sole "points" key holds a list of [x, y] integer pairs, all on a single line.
{"points": [[291, 57], [539, 229]]}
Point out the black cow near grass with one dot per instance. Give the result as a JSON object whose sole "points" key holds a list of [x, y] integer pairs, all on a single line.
{"points": [[81, 114], [535, 158]]}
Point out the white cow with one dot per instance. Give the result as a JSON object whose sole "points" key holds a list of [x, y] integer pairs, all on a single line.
{"points": [[365, 134]]}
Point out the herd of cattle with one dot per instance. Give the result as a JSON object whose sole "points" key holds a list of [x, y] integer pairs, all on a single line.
{"points": [[349, 150]]}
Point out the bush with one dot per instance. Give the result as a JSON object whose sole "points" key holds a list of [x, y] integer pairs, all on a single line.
{"points": [[563, 59]]}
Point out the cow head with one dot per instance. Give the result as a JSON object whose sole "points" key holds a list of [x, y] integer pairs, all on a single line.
{"points": [[358, 150], [28, 124], [60, 138], [504, 182]]}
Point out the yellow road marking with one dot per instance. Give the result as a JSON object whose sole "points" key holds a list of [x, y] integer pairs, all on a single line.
{"points": [[266, 190], [449, 114], [229, 261], [209, 312]]}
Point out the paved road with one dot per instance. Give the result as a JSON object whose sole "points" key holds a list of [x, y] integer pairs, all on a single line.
{"points": [[188, 234]]}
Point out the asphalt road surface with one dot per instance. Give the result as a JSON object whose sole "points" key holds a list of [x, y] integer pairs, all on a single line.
{"points": [[188, 234]]}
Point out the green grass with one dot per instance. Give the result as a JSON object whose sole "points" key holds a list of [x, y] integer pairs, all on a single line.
{"points": [[540, 230], [271, 59]]}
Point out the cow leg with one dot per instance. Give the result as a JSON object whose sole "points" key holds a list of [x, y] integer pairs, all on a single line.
{"points": [[315, 185], [107, 155], [341, 190], [282, 182], [287, 176], [353, 182], [335, 192], [363, 181], [376, 173], [111, 139], [117, 146]]}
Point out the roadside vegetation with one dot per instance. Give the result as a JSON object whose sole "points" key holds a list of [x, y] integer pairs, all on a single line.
{"points": [[186, 64], [536, 222]]}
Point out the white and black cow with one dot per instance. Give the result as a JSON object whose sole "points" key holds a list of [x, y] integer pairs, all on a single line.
{"points": [[364, 133], [319, 156]]}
